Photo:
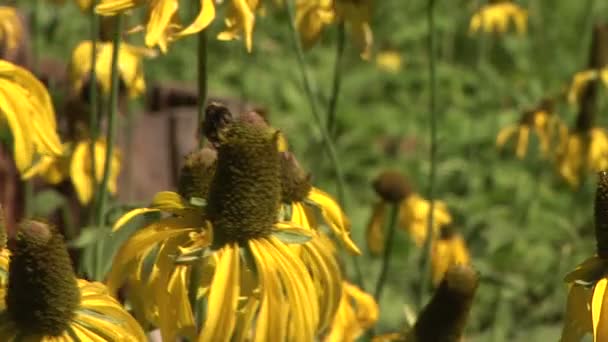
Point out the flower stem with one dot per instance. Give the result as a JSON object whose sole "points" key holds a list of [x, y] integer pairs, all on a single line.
{"points": [[93, 99], [327, 141], [425, 257], [111, 129], [202, 82], [337, 80], [388, 249]]}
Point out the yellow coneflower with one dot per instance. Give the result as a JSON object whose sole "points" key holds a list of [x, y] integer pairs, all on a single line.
{"points": [[25, 106], [44, 301], [495, 18], [541, 121], [313, 16], [581, 79], [130, 67], [75, 164], [240, 18], [11, 33], [413, 212], [448, 250], [248, 295], [358, 311], [162, 24], [587, 283], [580, 152]]}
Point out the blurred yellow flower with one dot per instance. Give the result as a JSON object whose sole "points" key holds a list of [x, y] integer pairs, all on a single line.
{"points": [[580, 152], [313, 15], [130, 67], [389, 60], [540, 121], [11, 32], [25, 106], [413, 218], [357, 15], [75, 164], [448, 250], [240, 18], [358, 312], [162, 23], [414, 215], [580, 81], [495, 18]]}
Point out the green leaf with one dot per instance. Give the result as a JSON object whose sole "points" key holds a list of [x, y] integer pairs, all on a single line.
{"points": [[46, 202], [198, 202], [89, 235]]}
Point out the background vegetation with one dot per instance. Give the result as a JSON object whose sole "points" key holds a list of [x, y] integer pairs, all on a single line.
{"points": [[525, 227]]}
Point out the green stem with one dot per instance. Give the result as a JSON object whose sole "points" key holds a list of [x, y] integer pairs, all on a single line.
{"points": [[425, 257], [111, 129], [388, 249], [327, 141], [337, 80], [310, 93], [202, 81], [93, 100]]}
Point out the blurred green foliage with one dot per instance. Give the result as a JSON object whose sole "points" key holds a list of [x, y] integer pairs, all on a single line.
{"points": [[524, 226]]}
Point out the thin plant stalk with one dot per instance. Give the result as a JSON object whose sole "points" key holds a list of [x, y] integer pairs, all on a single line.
{"points": [[316, 113], [388, 250], [202, 81], [111, 129], [425, 257], [93, 100], [337, 80]]}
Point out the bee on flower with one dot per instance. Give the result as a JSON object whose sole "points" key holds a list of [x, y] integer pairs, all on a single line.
{"points": [[44, 301], [243, 223], [541, 120], [496, 16]]}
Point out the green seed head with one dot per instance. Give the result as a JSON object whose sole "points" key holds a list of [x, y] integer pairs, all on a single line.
{"points": [[445, 316], [244, 195], [197, 173], [42, 292], [295, 183], [601, 214]]}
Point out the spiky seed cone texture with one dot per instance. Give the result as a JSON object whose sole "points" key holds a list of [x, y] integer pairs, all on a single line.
{"points": [[197, 172], [42, 293], [295, 182], [443, 319], [601, 214], [246, 181]]}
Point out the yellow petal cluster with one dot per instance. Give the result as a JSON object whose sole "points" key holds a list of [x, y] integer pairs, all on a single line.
{"points": [[496, 17], [445, 252], [358, 312], [162, 24], [541, 122], [580, 152], [130, 67], [240, 19], [581, 79], [75, 164], [312, 16], [11, 32], [25, 106]]}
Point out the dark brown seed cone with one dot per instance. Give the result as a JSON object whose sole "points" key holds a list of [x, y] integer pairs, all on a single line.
{"points": [[245, 193], [197, 173], [601, 214], [3, 235], [598, 58], [42, 293], [217, 118], [295, 183], [444, 318], [391, 186]]}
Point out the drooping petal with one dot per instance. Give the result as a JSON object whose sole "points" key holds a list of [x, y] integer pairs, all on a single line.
{"points": [[577, 322]]}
